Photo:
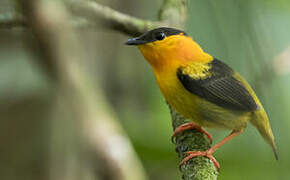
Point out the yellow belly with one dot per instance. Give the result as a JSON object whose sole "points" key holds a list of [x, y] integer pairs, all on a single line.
{"points": [[198, 109]]}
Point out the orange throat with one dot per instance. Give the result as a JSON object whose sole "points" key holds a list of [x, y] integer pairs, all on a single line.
{"points": [[172, 53]]}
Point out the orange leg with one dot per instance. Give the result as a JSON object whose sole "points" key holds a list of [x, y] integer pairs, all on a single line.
{"points": [[208, 153], [187, 126]]}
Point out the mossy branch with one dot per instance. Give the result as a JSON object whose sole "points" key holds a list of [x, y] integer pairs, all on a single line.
{"points": [[199, 168]]}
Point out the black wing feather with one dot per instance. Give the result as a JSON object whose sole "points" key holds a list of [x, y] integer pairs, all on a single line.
{"points": [[221, 88]]}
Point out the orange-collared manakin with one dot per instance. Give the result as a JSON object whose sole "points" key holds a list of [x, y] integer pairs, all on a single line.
{"points": [[201, 87]]}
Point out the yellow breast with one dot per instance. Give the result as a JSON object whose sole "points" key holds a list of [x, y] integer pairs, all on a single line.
{"points": [[177, 96]]}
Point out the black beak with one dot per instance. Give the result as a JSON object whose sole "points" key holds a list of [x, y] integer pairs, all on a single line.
{"points": [[135, 41]]}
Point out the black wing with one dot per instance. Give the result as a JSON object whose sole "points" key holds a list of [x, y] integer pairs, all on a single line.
{"points": [[221, 88]]}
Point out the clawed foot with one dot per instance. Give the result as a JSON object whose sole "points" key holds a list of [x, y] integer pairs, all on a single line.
{"points": [[188, 126], [207, 153]]}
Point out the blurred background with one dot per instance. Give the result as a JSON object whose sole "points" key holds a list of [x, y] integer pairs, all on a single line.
{"points": [[251, 36]]}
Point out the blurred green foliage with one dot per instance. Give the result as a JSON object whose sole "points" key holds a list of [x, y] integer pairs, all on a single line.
{"points": [[248, 35]]}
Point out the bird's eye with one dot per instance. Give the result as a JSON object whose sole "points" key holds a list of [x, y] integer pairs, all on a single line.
{"points": [[159, 36]]}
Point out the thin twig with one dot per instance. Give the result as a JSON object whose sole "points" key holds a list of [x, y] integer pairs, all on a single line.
{"points": [[111, 18], [92, 14]]}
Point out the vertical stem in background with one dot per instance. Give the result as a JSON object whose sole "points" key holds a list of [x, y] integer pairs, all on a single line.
{"points": [[174, 13], [87, 136]]}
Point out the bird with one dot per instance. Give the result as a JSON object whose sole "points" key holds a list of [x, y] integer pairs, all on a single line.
{"points": [[202, 88]]}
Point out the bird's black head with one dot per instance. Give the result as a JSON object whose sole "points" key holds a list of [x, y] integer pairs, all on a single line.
{"points": [[154, 35]]}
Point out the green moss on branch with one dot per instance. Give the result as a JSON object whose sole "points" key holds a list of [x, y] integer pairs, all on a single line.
{"points": [[199, 168]]}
